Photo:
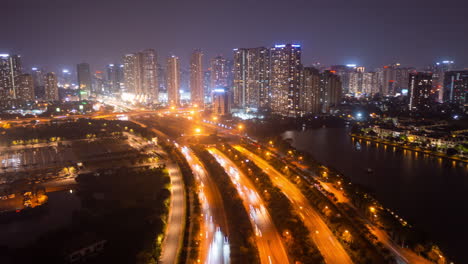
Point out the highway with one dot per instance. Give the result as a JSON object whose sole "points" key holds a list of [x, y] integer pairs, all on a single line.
{"points": [[173, 236], [268, 239], [214, 246], [329, 246]]}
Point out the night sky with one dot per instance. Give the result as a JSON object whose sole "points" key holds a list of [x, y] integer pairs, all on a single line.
{"points": [[56, 34]]}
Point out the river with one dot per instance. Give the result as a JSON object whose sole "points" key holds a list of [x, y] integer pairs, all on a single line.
{"points": [[428, 192]]}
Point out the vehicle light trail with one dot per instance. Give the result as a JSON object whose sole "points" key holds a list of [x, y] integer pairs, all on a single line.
{"points": [[214, 246], [329, 246], [268, 240]]}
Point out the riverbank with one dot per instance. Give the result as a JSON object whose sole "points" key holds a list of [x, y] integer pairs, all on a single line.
{"points": [[406, 147]]}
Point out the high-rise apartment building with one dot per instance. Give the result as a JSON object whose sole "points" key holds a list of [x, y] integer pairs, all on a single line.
{"points": [[132, 74], [356, 80], [219, 73], [330, 91], [38, 80], [84, 80], [114, 78], [149, 73], [456, 88], [25, 86], [420, 86], [197, 92], [310, 95], [51, 87], [251, 77], [99, 82], [438, 75], [394, 79], [141, 75], [10, 69], [285, 79], [344, 71], [173, 81], [370, 83]]}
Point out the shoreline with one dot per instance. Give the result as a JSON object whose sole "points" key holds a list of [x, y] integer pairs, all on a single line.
{"points": [[405, 147]]}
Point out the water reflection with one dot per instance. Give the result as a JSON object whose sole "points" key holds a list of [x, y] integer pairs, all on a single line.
{"points": [[429, 191]]}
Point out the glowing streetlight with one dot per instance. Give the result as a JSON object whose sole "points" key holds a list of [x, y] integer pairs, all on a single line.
{"points": [[240, 126], [372, 209], [197, 130]]}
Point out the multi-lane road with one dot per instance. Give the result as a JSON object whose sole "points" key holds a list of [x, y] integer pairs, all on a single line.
{"points": [[329, 246], [214, 245], [268, 239], [173, 236]]}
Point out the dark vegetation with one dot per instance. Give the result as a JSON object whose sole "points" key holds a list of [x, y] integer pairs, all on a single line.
{"points": [[126, 207]]}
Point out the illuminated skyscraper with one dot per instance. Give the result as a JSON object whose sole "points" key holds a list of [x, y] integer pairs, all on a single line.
{"points": [[141, 75], [149, 73], [219, 73], [438, 75], [84, 80], [420, 86], [285, 79], [132, 74], [114, 77], [251, 77], [310, 95], [456, 88], [98, 82], [10, 69], [51, 87], [344, 72], [38, 80], [394, 79], [197, 92], [25, 89], [330, 91], [370, 83], [173, 81]]}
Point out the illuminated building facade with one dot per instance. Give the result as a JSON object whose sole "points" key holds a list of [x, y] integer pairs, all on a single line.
{"points": [[197, 92], [51, 87], [141, 75], [394, 79], [330, 91], [132, 74], [456, 88], [438, 76], [420, 86], [10, 69], [310, 96], [173, 81], [285, 79], [251, 77], [221, 102], [219, 73], [114, 78], [25, 89], [149, 73], [84, 80]]}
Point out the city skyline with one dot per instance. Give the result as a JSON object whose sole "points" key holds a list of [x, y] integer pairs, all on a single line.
{"points": [[367, 34]]}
